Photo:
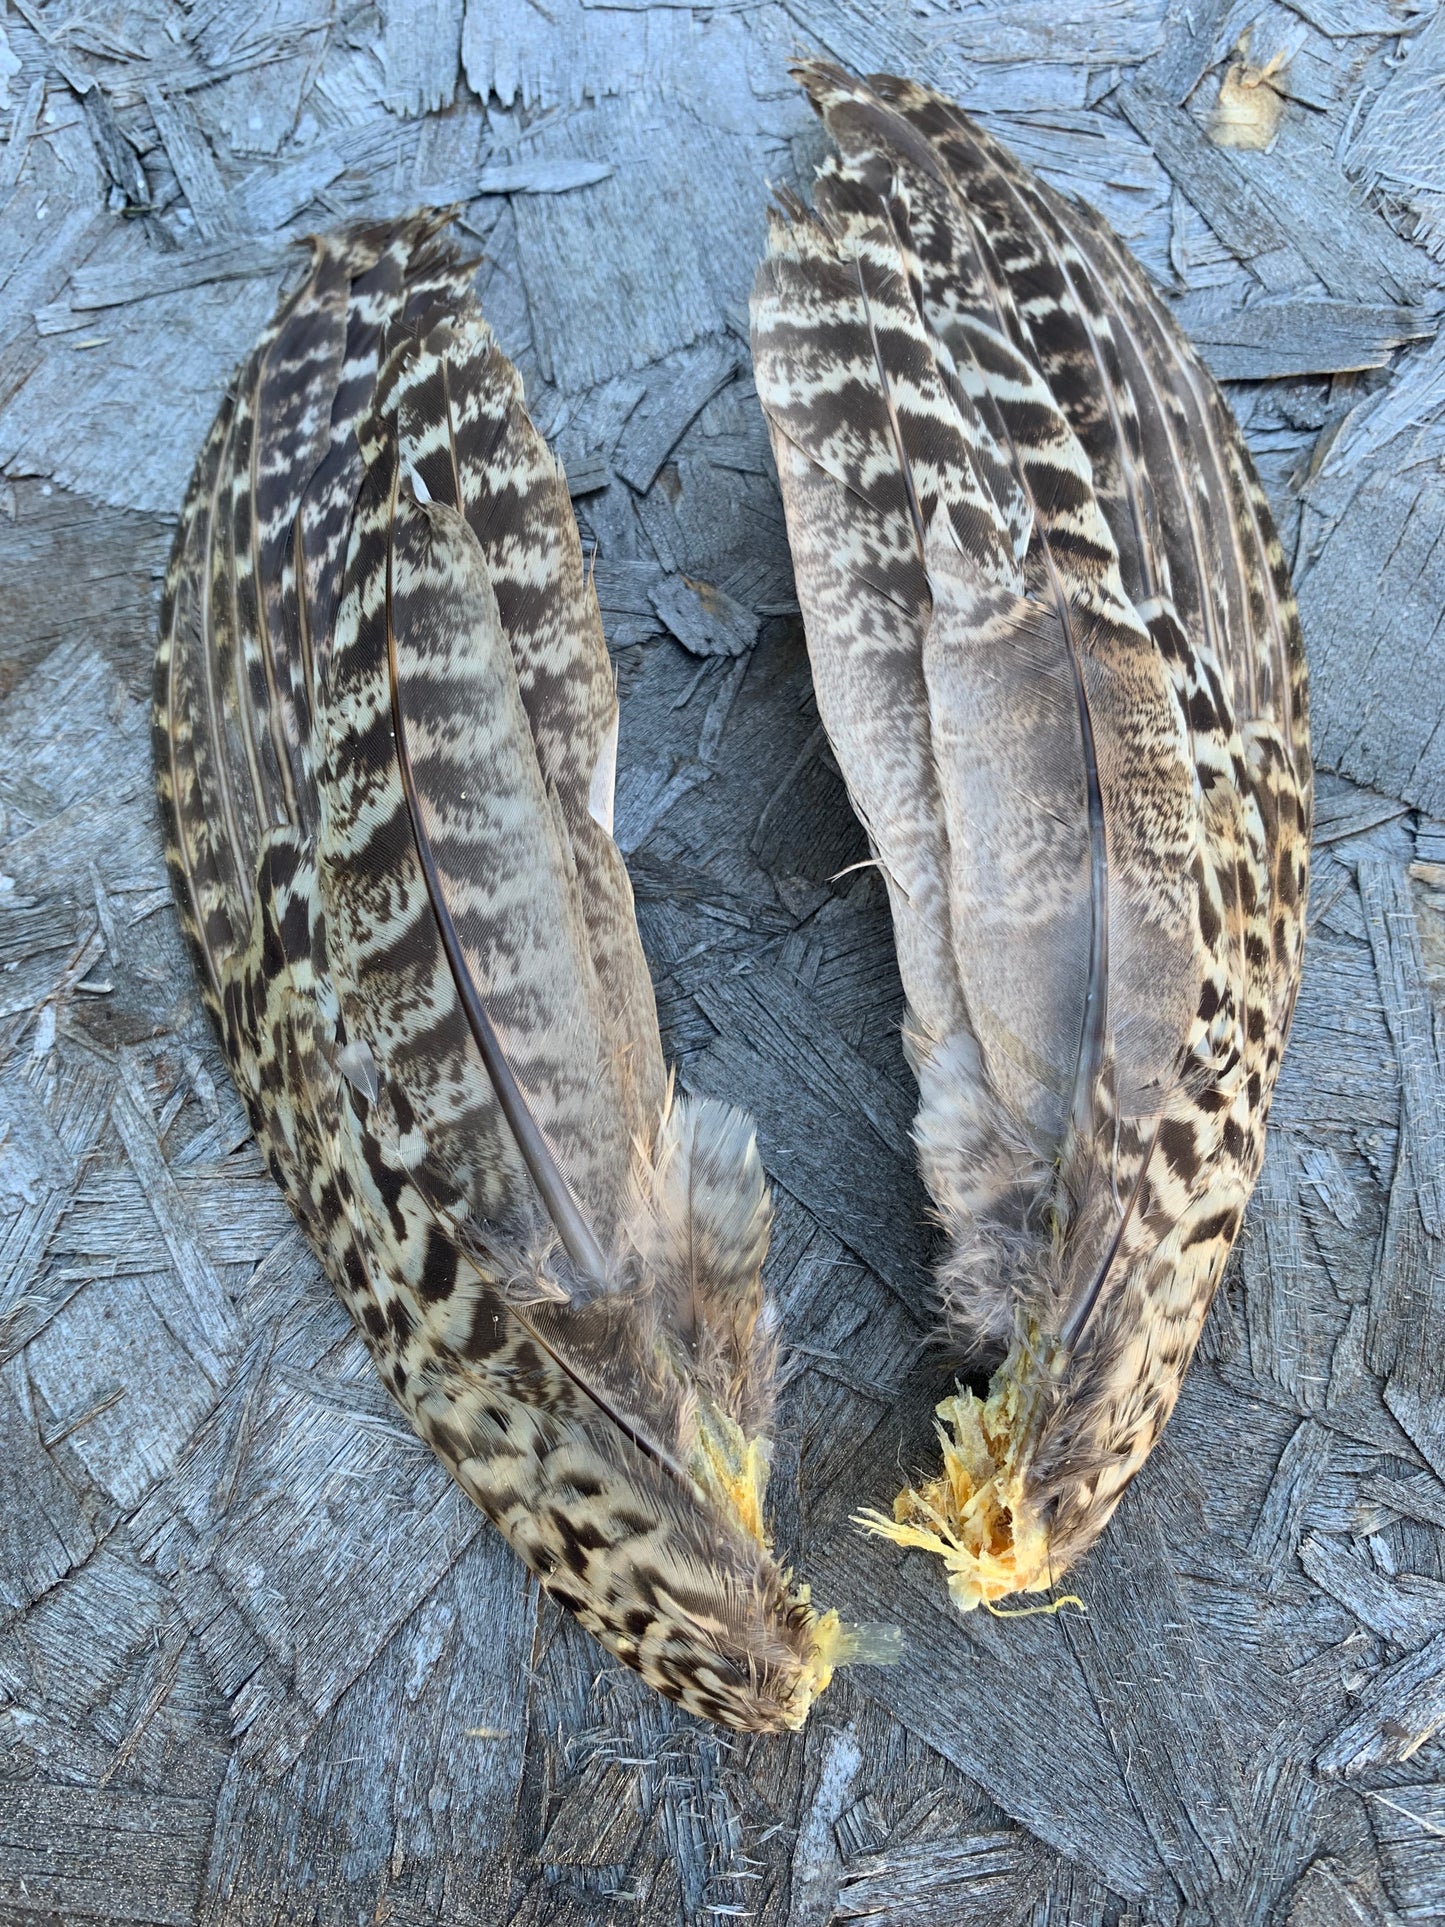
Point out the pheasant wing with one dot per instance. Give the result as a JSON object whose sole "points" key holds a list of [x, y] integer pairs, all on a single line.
{"points": [[1104, 841], [385, 730]]}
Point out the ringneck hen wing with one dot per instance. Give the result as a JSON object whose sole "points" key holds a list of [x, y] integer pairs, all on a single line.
{"points": [[1055, 648], [385, 736]]}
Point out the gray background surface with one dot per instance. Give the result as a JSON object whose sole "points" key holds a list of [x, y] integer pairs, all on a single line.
{"points": [[258, 1660]]}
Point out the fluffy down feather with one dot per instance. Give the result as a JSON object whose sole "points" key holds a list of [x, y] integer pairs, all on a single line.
{"points": [[1055, 648], [385, 730]]}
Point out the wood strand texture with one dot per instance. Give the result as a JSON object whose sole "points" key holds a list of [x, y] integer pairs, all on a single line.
{"points": [[1056, 650], [385, 734]]}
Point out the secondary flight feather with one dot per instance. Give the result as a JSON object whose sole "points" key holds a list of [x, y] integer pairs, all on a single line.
{"points": [[385, 736], [1055, 648]]}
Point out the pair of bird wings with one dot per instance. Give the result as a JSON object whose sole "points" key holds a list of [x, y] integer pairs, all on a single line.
{"points": [[1055, 651]]}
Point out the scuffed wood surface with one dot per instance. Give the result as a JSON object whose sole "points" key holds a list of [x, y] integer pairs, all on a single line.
{"points": [[258, 1659]]}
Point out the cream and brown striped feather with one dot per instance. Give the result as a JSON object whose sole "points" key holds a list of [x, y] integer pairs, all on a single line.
{"points": [[1056, 650], [385, 731]]}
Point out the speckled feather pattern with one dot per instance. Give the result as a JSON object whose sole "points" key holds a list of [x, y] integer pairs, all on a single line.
{"points": [[385, 733], [1055, 648]]}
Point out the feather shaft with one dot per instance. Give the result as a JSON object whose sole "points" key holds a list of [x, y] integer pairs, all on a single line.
{"points": [[556, 1194]]}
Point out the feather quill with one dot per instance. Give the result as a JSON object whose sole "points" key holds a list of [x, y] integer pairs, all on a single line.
{"points": [[385, 733], [1055, 647]]}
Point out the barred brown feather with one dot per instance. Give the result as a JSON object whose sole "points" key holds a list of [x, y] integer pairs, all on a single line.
{"points": [[385, 729], [1056, 650]]}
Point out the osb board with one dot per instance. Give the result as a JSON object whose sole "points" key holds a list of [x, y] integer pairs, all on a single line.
{"points": [[258, 1660]]}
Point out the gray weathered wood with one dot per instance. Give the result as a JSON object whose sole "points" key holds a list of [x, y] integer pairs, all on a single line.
{"points": [[258, 1660]]}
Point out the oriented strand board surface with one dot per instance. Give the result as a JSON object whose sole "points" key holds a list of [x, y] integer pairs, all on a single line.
{"points": [[259, 1662]]}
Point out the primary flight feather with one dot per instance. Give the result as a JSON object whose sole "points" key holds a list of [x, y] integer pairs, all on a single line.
{"points": [[385, 737], [1055, 648]]}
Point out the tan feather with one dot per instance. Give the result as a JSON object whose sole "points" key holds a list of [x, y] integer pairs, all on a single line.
{"points": [[1056, 650]]}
